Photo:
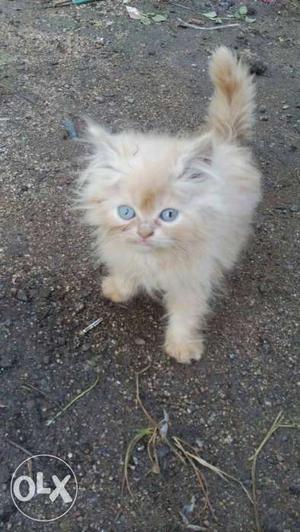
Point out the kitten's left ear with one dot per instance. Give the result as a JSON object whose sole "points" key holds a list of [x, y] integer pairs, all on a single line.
{"points": [[196, 163]]}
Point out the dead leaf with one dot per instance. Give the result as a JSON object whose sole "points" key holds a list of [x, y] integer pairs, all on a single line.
{"points": [[134, 13]]}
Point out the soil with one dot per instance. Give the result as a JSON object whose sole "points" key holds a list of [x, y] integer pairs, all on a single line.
{"points": [[60, 63]]}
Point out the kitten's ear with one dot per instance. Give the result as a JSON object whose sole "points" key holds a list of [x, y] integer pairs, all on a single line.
{"points": [[102, 140], [196, 163]]}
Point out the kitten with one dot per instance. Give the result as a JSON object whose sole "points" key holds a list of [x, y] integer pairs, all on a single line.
{"points": [[171, 214]]}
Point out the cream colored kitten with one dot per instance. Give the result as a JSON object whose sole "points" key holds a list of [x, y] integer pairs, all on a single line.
{"points": [[171, 214]]}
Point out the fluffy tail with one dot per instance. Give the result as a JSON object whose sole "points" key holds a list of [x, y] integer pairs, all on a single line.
{"points": [[232, 106]]}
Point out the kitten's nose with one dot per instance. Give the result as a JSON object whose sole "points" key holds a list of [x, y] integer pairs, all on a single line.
{"points": [[145, 230]]}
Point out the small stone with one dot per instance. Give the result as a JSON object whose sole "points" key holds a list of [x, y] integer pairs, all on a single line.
{"points": [[99, 99], [211, 419], [284, 107], [130, 100], [45, 292], [7, 360], [292, 148], [262, 109], [251, 11], [86, 347], [226, 4], [199, 443], [79, 307], [46, 359], [258, 67], [139, 341], [22, 295], [264, 118], [294, 489], [99, 41], [228, 439]]}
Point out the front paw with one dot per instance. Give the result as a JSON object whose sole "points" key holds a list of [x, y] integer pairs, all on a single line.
{"points": [[115, 290], [184, 350]]}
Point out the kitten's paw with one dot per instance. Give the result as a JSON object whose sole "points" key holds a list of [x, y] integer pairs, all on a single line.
{"points": [[115, 290], [184, 351]]}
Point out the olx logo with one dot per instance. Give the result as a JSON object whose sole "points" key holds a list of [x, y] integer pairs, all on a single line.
{"points": [[44, 488]]}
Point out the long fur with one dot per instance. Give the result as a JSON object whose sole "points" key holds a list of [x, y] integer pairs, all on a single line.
{"points": [[231, 111], [209, 178]]}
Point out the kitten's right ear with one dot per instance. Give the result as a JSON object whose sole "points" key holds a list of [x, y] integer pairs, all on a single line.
{"points": [[100, 138]]}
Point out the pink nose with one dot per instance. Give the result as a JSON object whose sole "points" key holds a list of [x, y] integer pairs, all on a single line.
{"points": [[145, 230]]}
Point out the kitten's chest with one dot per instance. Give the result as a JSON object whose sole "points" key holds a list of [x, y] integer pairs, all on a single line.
{"points": [[150, 271]]}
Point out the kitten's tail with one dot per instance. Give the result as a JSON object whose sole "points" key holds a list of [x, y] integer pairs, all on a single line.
{"points": [[232, 106]]}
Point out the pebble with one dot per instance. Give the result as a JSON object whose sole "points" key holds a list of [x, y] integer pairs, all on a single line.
{"points": [[228, 439], [200, 443], [226, 4], [258, 67], [294, 489], [21, 295], [46, 359], [7, 361], [211, 419], [139, 341], [79, 306]]}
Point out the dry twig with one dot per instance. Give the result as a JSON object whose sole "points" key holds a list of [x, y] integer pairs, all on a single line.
{"points": [[278, 423], [185, 24], [68, 405], [20, 447]]}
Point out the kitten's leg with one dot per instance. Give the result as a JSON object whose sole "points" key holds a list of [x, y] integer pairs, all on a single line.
{"points": [[117, 288], [186, 311]]}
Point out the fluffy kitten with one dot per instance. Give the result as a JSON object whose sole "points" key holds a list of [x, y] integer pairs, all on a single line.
{"points": [[171, 214]]}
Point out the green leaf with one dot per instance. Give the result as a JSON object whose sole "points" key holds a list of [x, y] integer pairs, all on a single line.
{"points": [[243, 10], [145, 20], [159, 18], [210, 14]]}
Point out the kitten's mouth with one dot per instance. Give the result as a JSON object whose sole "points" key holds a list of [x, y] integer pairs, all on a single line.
{"points": [[144, 242]]}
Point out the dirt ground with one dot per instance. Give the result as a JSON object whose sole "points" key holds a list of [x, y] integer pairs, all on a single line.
{"points": [[58, 63]]}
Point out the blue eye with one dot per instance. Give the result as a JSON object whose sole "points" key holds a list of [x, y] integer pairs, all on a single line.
{"points": [[125, 212], [169, 215]]}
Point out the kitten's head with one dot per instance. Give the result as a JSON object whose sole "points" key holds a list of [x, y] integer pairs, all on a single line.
{"points": [[150, 191]]}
